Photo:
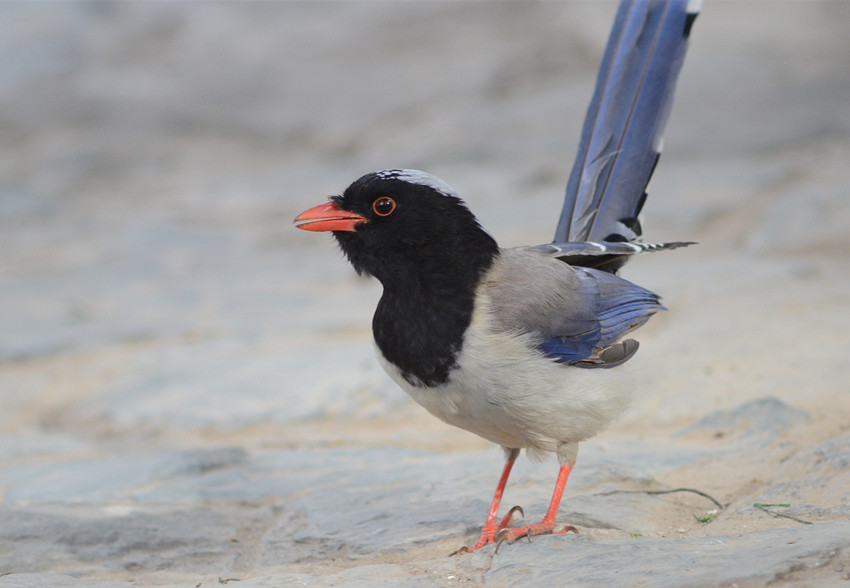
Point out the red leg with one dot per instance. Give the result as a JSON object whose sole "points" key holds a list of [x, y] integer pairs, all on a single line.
{"points": [[491, 528], [547, 525]]}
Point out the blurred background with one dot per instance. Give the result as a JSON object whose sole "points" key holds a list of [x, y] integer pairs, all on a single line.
{"points": [[152, 156], [153, 291]]}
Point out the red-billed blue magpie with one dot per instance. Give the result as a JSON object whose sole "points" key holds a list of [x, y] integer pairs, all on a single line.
{"points": [[516, 345]]}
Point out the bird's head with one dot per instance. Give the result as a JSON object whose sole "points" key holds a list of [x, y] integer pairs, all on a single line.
{"points": [[395, 223]]}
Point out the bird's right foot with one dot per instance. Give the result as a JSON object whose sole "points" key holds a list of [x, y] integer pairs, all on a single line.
{"points": [[490, 531]]}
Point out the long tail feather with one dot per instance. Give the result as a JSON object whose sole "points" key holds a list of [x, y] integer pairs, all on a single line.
{"points": [[621, 139]]}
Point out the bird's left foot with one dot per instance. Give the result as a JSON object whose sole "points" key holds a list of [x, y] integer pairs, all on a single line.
{"points": [[544, 527]]}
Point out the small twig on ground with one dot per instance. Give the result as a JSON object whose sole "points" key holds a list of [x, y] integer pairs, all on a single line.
{"points": [[700, 492], [763, 506]]}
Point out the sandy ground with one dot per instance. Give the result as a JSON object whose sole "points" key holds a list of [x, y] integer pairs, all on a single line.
{"points": [[187, 388]]}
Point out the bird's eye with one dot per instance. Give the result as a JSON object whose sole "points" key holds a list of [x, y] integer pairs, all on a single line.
{"points": [[383, 206]]}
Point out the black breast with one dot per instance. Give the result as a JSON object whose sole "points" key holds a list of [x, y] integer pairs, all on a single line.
{"points": [[422, 333]]}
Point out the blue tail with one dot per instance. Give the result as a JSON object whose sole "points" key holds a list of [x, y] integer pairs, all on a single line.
{"points": [[621, 139]]}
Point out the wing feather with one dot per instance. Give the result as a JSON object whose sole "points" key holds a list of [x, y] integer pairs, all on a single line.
{"points": [[572, 314]]}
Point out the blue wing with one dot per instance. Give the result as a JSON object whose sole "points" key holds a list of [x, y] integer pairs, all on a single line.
{"points": [[621, 139], [573, 315], [615, 308]]}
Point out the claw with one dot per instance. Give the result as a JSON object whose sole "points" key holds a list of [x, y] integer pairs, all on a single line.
{"points": [[463, 549], [506, 520], [491, 531]]}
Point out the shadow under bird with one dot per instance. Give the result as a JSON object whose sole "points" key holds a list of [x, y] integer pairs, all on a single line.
{"points": [[517, 345]]}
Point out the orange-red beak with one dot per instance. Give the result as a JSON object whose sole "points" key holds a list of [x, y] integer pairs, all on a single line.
{"points": [[327, 217]]}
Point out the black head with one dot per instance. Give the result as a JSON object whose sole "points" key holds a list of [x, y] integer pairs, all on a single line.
{"points": [[401, 223], [412, 232]]}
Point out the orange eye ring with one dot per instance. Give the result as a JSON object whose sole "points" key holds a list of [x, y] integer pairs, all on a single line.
{"points": [[384, 206]]}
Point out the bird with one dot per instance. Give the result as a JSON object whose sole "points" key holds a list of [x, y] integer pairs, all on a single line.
{"points": [[522, 345]]}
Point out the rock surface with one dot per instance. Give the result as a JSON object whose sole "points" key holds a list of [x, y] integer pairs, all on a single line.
{"points": [[188, 394]]}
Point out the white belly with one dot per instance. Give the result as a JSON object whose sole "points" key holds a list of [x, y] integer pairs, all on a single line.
{"points": [[510, 395]]}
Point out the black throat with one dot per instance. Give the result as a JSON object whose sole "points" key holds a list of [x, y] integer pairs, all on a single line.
{"points": [[421, 320]]}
